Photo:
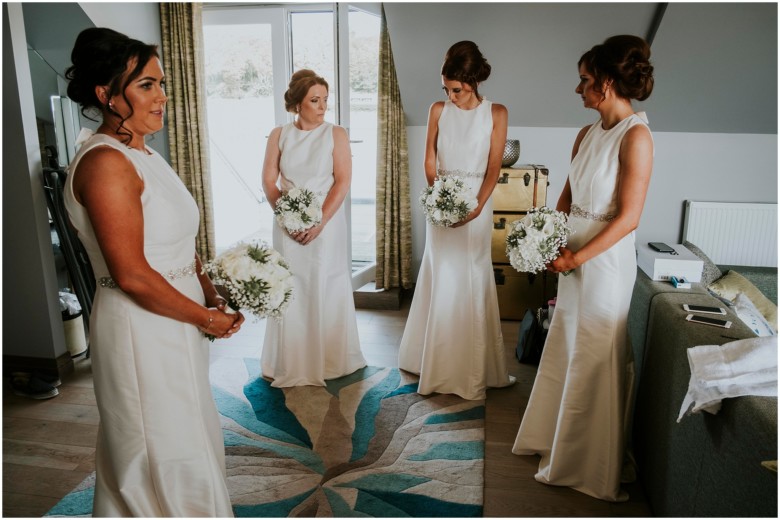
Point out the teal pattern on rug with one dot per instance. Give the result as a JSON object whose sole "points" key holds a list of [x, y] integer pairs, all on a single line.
{"points": [[367, 444]]}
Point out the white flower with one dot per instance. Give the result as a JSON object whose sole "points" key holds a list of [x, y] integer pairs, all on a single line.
{"points": [[298, 209], [533, 241], [256, 277], [448, 201]]}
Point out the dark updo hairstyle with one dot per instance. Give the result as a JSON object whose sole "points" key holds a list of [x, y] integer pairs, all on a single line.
{"points": [[101, 56], [625, 59], [299, 86], [465, 63]]}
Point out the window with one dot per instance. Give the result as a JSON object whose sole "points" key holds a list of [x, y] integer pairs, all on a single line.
{"points": [[250, 53]]}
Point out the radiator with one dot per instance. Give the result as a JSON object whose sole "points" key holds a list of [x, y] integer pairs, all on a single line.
{"points": [[733, 233]]}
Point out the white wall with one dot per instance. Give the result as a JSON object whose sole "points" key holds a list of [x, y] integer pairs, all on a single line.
{"points": [[687, 166], [139, 20]]}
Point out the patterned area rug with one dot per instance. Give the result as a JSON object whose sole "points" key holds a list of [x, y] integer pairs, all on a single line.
{"points": [[365, 445]]}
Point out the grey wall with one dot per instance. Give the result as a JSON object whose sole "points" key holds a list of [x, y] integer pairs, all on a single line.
{"points": [[713, 112], [32, 326], [716, 64]]}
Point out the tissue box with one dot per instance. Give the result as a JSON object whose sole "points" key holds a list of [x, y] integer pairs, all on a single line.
{"points": [[662, 266]]}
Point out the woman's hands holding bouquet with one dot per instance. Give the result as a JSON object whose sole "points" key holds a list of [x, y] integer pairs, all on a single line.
{"points": [[565, 262], [471, 216], [306, 236], [538, 241], [223, 321], [299, 212]]}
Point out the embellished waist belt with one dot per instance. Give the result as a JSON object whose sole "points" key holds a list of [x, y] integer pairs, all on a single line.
{"points": [[173, 274], [460, 173], [577, 211]]}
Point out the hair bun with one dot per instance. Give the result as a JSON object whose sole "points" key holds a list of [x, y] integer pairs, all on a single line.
{"points": [[464, 62], [625, 59]]}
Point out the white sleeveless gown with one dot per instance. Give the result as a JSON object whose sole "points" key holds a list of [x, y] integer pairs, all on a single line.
{"points": [[578, 411], [317, 338], [453, 334], [160, 450]]}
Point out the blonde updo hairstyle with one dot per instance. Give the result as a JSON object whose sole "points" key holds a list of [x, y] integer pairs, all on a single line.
{"points": [[625, 59], [464, 62], [299, 86]]}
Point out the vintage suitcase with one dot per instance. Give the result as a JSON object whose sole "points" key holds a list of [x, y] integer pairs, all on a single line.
{"points": [[518, 292], [521, 188], [501, 223]]}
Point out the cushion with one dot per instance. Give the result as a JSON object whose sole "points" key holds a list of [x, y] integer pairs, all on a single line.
{"points": [[750, 316], [711, 272], [733, 283]]}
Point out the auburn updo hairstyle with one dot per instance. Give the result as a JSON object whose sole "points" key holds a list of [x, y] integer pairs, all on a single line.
{"points": [[100, 57], [465, 63], [625, 59], [299, 86]]}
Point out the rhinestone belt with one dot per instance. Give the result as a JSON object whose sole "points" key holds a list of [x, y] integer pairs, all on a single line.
{"points": [[577, 211], [173, 274], [460, 173]]}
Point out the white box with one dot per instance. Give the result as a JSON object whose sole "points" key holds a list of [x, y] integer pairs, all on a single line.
{"points": [[662, 266]]}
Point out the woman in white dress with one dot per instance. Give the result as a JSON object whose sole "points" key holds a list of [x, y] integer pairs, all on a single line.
{"points": [[579, 407], [453, 334], [160, 450], [317, 339]]}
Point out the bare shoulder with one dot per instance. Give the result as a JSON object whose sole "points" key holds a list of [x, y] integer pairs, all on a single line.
{"points": [[105, 174], [436, 108], [499, 110], [275, 133], [638, 134], [340, 133], [105, 159]]}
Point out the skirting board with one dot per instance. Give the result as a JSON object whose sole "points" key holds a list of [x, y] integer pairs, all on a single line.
{"points": [[62, 365]]}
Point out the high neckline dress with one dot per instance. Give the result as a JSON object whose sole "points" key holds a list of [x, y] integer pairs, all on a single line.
{"points": [[453, 336], [160, 450], [577, 415], [317, 338]]}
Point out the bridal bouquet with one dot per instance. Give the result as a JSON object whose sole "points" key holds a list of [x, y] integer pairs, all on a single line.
{"points": [[533, 241], [298, 209], [447, 202], [255, 276]]}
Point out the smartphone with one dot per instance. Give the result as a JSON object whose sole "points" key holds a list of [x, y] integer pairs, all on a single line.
{"points": [[662, 248], [704, 309], [715, 322]]}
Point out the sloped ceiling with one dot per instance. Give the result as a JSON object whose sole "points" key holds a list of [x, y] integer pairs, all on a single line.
{"points": [[51, 29], [715, 63]]}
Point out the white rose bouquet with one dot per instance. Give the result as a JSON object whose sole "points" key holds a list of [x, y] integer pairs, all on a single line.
{"points": [[256, 277], [533, 241], [298, 209], [447, 202]]}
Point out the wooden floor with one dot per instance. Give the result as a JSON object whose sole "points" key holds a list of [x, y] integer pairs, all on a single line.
{"points": [[49, 446]]}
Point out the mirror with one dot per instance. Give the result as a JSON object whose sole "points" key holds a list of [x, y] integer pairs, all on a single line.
{"points": [[66, 127], [51, 30]]}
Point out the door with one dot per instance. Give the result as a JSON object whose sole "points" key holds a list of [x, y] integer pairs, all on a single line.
{"points": [[250, 53]]}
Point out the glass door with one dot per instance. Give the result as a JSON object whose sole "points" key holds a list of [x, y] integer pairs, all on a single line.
{"points": [[244, 54], [250, 53]]}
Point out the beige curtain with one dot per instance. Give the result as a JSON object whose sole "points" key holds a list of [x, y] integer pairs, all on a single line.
{"points": [[393, 214], [182, 52]]}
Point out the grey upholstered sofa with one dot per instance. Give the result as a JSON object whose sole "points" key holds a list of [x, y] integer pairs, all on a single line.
{"points": [[706, 465]]}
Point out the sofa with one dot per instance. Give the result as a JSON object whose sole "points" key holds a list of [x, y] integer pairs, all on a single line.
{"points": [[705, 465]]}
